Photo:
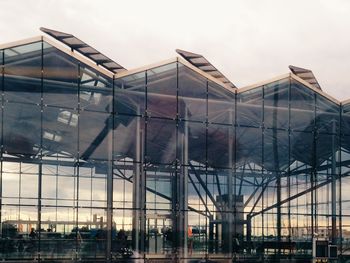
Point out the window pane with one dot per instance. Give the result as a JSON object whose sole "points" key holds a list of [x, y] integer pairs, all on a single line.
{"points": [[130, 94], [95, 90], [161, 91], [22, 129], [192, 95], [23, 73], [60, 78]]}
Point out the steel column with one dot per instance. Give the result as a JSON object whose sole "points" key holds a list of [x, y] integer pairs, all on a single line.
{"points": [[333, 186]]}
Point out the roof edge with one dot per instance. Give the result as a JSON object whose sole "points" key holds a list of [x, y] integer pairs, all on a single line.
{"points": [[22, 42], [293, 76], [146, 67], [173, 60], [264, 82], [344, 102], [206, 75], [77, 56], [319, 91], [60, 47], [108, 73]]}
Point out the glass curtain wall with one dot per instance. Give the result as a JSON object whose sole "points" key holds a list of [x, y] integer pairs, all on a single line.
{"points": [[56, 162], [164, 164]]}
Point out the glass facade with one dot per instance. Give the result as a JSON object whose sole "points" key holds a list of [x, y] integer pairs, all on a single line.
{"points": [[165, 164]]}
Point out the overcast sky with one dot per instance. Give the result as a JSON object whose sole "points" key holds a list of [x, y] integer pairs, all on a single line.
{"points": [[248, 40]]}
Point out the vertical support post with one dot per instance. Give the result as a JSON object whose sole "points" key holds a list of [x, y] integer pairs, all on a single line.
{"points": [[339, 174], [109, 195], [136, 187], [39, 206], [277, 168], [77, 173], [234, 162], [333, 186], [289, 173], [249, 233], [232, 215], [183, 194], [110, 178], [40, 151], [2, 132], [279, 216], [142, 201], [313, 178], [211, 234]]}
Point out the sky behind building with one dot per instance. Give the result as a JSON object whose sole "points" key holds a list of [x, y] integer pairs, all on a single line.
{"points": [[248, 40]]}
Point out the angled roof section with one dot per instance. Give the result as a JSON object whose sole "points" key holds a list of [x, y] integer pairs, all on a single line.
{"points": [[78, 56], [292, 76], [86, 54], [203, 64], [78, 45], [173, 60], [305, 74]]}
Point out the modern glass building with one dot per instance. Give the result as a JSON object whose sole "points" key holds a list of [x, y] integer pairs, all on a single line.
{"points": [[166, 163]]}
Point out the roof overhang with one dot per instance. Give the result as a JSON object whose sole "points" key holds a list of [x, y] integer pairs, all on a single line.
{"points": [[83, 48], [62, 48], [292, 76], [174, 60], [203, 64]]}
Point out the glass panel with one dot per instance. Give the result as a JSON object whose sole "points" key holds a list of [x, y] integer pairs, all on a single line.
{"points": [[19, 233], [345, 120], [345, 210], [130, 94], [128, 134], [60, 183], [158, 233], [162, 91], [302, 103], [1, 74], [92, 185], [220, 145], [327, 115], [123, 237], [123, 178], [161, 141], [95, 90], [345, 144], [249, 147], [326, 146], [23, 73], [22, 129], [95, 136], [160, 200], [59, 233], [58, 240], [92, 233], [302, 147], [276, 150], [192, 95], [249, 108], [276, 112], [197, 147], [221, 104], [61, 76], [60, 132], [159, 183], [19, 212]]}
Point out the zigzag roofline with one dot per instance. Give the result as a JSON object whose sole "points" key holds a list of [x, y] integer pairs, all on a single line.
{"points": [[111, 74]]}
